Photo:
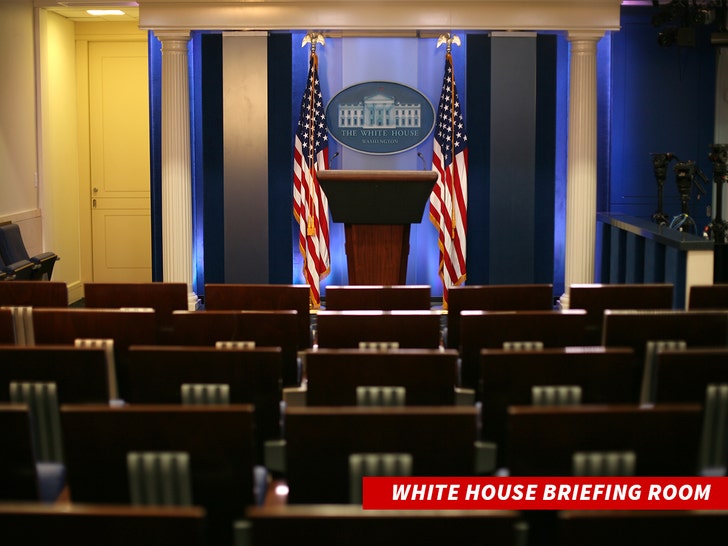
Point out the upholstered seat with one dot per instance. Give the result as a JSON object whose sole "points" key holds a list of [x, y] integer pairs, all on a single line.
{"points": [[159, 478], [12, 249], [20, 270], [380, 396], [375, 464]]}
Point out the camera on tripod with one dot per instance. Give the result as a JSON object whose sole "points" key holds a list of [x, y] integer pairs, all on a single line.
{"points": [[685, 178]]}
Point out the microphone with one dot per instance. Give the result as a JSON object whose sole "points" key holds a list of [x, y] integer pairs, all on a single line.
{"points": [[333, 157], [424, 162]]}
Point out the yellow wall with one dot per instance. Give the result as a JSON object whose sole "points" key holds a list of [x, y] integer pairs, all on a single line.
{"points": [[59, 148], [17, 111]]}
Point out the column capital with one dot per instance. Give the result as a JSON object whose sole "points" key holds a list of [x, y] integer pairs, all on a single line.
{"points": [[584, 36], [165, 35]]}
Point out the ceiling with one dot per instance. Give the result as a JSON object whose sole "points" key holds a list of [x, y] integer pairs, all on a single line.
{"points": [[75, 10]]}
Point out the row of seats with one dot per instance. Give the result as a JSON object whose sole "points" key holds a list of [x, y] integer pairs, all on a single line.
{"points": [[30, 525], [350, 432], [100, 439], [16, 263], [168, 297]]}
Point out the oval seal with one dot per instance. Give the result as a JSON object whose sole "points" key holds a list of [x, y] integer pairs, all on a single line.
{"points": [[380, 117]]}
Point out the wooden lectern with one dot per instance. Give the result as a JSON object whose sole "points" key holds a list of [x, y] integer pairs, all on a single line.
{"points": [[377, 208]]}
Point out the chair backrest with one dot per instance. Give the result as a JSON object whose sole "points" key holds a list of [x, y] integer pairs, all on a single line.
{"points": [[65, 326], [604, 463], [80, 374], [219, 440], [235, 345], [522, 345], [497, 297], [714, 441], [375, 464], [637, 527], [634, 328], [253, 376], [378, 297], [30, 524], [283, 525], [23, 325], [18, 475], [264, 297], [556, 395], [664, 438], [159, 478], [650, 376], [275, 328], [163, 297], [205, 393], [685, 374], [42, 399], [367, 395], [34, 294], [596, 298], [411, 329], [440, 439], [428, 375], [490, 329], [12, 247], [506, 378], [713, 296]]}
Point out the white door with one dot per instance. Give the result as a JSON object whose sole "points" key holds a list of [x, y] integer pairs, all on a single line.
{"points": [[119, 150]]}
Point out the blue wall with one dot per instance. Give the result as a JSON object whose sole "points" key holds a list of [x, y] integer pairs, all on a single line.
{"points": [[662, 100]]}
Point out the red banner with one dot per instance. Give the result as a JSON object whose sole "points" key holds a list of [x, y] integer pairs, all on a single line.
{"points": [[545, 493]]}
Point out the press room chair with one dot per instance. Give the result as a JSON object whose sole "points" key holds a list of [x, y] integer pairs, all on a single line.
{"points": [[649, 373], [375, 464], [20, 270], [18, 473], [380, 396], [13, 250], [556, 395], [604, 463], [47, 439], [159, 478], [714, 440]]}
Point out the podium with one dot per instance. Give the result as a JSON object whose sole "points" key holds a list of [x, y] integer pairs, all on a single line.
{"points": [[377, 209]]}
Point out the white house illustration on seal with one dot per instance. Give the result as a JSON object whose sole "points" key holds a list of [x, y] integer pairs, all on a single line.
{"points": [[379, 111]]}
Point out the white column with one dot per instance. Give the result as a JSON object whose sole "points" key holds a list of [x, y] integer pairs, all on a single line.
{"points": [[581, 181], [176, 162]]}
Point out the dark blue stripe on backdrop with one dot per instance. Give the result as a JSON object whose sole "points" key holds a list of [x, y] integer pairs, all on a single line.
{"points": [[478, 125], [155, 151], [280, 159]]}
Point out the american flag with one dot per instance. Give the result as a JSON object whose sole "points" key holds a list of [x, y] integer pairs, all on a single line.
{"points": [[449, 198], [310, 206]]}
